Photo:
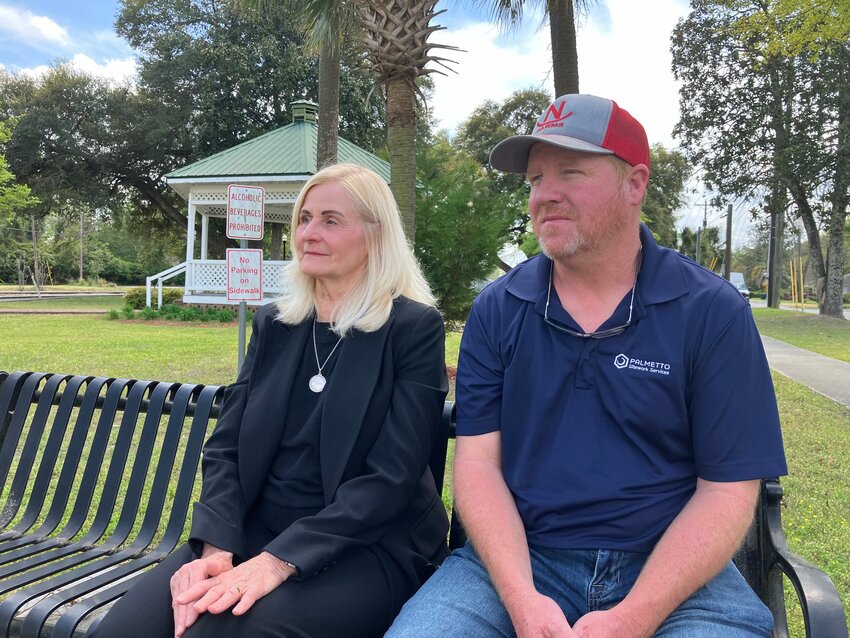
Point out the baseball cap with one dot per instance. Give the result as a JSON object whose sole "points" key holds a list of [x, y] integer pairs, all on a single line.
{"points": [[584, 123]]}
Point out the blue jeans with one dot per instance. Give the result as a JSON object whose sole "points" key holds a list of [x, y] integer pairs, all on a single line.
{"points": [[459, 600]]}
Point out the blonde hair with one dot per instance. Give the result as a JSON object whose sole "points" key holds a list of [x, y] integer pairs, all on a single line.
{"points": [[391, 268]]}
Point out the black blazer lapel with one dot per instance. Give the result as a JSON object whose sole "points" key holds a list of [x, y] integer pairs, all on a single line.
{"points": [[345, 404]]}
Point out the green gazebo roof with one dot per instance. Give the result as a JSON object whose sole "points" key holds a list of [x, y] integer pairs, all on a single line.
{"points": [[287, 151]]}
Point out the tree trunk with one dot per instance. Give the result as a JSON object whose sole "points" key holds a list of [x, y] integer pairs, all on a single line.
{"points": [[328, 142], [562, 33], [401, 139], [777, 198], [35, 278], [835, 257], [275, 251], [81, 246]]}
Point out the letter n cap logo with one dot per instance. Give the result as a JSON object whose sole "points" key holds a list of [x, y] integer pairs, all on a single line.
{"points": [[553, 116], [621, 361]]}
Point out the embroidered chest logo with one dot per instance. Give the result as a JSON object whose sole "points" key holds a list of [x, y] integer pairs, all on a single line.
{"points": [[622, 361]]}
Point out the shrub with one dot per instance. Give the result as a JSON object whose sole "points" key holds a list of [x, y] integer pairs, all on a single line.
{"points": [[847, 298], [190, 314], [127, 312], [170, 311], [149, 313], [112, 314], [135, 297]]}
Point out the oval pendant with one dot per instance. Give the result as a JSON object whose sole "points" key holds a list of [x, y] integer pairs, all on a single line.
{"points": [[317, 383]]}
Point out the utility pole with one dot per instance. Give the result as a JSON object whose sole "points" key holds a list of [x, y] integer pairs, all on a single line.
{"points": [[774, 259], [698, 255], [727, 260], [701, 232]]}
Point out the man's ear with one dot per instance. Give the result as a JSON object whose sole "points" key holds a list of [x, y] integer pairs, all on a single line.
{"points": [[637, 181]]}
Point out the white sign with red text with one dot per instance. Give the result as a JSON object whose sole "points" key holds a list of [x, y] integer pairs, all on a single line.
{"points": [[245, 212], [244, 274]]}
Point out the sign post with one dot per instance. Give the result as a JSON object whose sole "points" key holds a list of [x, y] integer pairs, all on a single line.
{"points": [[245, 216]]}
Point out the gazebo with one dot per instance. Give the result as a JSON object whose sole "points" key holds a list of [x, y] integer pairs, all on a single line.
{"points": [[280, 161]]}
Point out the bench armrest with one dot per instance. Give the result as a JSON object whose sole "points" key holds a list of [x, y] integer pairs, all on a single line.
{"points": [[823, 612]]}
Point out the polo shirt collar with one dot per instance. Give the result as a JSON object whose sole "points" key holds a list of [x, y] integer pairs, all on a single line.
{"points": [[661, 276]]}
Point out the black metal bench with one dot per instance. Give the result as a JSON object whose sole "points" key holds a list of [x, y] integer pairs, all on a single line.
{"points": [[97, 476]]}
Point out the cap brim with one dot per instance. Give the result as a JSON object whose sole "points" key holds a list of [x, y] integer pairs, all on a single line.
{"points": [[511, 154]]}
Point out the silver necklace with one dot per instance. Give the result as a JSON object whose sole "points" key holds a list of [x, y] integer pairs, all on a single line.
{"points": [[317, 381]]}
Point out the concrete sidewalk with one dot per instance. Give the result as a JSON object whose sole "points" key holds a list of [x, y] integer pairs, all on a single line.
{"points": [[825, 375]]}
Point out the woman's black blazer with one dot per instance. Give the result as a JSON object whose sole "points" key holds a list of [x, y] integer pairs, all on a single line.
{"points": [[379, 422]]}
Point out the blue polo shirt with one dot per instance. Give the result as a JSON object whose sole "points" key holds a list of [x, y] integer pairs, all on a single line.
{"points": [[603, 439]]}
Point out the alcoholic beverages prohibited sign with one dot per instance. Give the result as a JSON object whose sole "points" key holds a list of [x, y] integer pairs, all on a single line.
{"points": [[245, 212]]}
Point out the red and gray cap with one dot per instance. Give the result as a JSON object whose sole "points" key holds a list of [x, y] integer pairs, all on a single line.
{"points": [[584, 123]]}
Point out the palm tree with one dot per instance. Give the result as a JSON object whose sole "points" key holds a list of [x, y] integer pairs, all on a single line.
{"points": [[327, 21], [395, 36], [562, 33], [324, 21]]}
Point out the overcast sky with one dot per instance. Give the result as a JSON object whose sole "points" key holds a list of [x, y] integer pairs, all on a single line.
{"points": [[624, 54]]}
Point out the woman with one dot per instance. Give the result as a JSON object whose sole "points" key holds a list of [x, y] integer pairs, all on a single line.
{"points": [[318, 515]]}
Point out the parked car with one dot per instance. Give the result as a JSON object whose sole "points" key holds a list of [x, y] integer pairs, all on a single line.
{"points": [[737, 280]]}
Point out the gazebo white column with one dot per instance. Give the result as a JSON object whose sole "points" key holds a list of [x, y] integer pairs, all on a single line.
{"points": [[205, 233], [190, 240]]}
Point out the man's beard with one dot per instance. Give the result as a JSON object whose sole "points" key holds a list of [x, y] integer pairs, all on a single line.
{"points": [[586, 239], [563, 247]]}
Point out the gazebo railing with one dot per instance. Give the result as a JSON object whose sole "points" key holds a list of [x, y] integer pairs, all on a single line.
{"points": [[207, 279], [159, 278]]}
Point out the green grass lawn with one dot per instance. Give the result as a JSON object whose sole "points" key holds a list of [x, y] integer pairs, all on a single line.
{"points": [[91, 344], [824, 335], [452, 348], [816, 512]]}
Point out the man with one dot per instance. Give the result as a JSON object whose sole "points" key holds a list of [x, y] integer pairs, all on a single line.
{"points": [[615, 415]]}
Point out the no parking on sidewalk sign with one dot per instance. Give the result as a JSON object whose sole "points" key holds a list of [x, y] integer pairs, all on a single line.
{"points": [[244, 274]]}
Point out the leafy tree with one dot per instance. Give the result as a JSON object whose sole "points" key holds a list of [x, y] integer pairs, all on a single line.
{"points": [[665, 193], [711, 247], [489, 124], [799, 26], [14, 198], [324, 34], [209, 78], [769, 127], [231, 77], [460, 226], [16, 201], [395, 38]]}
